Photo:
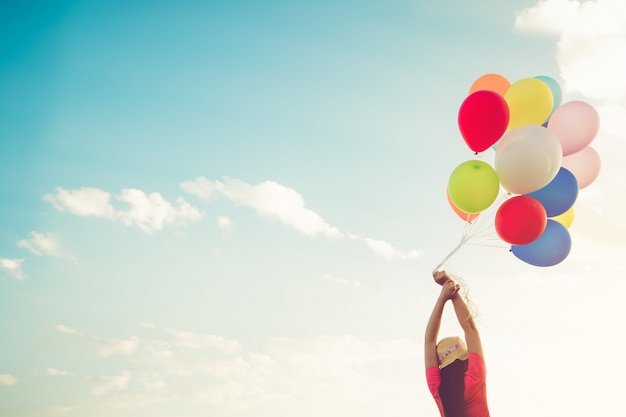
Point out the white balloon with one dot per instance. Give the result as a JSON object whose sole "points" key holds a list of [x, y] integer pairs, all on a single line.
{"points": [[528, 158]]}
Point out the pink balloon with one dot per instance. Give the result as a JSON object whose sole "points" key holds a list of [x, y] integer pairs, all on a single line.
{"points": [[576, 124], [584, 164]]}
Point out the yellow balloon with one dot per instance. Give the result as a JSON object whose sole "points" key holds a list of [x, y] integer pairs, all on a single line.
{"points": [[566, 219], [530, 102]]}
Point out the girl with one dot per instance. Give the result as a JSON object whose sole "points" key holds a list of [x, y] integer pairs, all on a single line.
{"points": [[455, 368]]}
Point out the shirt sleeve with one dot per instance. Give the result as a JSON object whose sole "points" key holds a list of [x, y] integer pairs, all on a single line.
{"points": [[475, 376], [433, 378]]}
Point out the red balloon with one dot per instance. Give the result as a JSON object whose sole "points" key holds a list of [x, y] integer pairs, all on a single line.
{"points": [[483, 119], [520, 220]]}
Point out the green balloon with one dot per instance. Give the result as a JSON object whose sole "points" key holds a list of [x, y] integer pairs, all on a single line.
{"points": [[473, 186]]}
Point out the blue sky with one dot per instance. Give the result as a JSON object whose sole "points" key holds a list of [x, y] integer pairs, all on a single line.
{"points": [[233, 209]]}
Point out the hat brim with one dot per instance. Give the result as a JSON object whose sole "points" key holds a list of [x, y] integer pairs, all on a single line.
{"points": [[451, 349]]}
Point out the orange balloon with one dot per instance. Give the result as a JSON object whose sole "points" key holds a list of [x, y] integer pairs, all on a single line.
{"points": [[491, 82], [463, 215]]}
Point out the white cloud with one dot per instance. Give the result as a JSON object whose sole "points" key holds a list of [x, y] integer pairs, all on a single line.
{"points": [[119, 347], [613, 120], [200, 187], [153, 382], [44, 244], [276, 201], [269, 199], [388, 251], [229, 368], [56, 372], [111, 383], [341, 281], [85, 201], [67, 330], [7, 380], [107, 347], [225, 224], [287, 373], [13, 266], [149, 212], [159, 349], [194, 340], [591, 51], [549, 16], [341, 352], [279, 202]]}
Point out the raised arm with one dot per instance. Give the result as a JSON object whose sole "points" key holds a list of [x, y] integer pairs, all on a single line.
{"points": [[448, 290], [463, 315]]}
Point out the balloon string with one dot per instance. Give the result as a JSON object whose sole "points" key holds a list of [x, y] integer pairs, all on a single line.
{"points": [[464, 292], [476, 229], [455, 250]]}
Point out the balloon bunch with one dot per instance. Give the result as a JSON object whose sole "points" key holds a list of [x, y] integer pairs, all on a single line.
{"points": [[542, 159]]}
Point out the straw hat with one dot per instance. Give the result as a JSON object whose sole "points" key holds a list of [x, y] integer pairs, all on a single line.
{"points": [[451, 349]]}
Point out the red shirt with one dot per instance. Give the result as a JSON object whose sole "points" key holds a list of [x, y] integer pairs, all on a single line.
{"points": [[475, 387]]}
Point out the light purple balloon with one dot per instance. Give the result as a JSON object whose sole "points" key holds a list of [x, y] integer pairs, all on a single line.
{"points": [[584, 164], [575, 124]]}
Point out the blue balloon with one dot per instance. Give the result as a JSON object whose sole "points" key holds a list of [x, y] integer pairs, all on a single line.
{"points": [[549, 249], [559, 195]]}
